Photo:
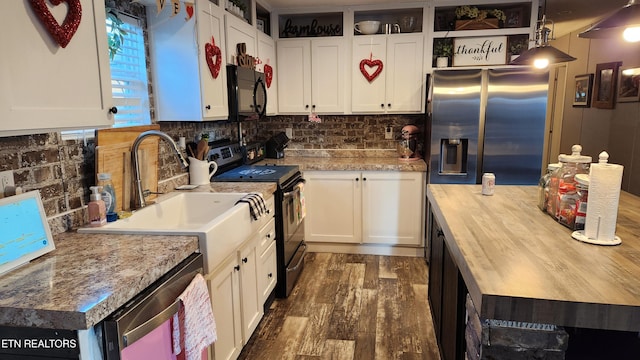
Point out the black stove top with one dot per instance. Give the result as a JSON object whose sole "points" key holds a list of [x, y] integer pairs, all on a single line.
{"points": [[258, 173]]}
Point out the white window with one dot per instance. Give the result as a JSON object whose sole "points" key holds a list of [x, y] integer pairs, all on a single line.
{"points": [[129, 81]]}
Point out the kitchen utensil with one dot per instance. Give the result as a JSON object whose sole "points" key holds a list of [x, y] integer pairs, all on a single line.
{"points": [[391, 28], [199, 173], [202, 149], [367, 27]]}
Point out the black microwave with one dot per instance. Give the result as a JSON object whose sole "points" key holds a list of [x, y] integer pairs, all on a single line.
{"points": [[247, 93]]}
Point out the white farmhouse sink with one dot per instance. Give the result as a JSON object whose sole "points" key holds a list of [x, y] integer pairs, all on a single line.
{"points": [[219, 224]]}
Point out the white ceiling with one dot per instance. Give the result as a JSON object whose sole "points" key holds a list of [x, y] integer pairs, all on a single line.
{"points": [[568, 15]]}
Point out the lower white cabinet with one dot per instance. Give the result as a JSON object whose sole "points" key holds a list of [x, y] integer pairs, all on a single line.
{"points": [[239, 289], [371, 207]]}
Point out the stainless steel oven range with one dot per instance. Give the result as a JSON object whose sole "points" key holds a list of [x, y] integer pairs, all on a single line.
{"points": [[290, 246]]}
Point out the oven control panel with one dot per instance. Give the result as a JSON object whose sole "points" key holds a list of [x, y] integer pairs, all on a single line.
{"points": [[224, 155]]}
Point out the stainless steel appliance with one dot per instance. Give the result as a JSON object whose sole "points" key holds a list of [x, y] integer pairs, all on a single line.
{"points": [[247, 93], [487, 121], [290, 246], [148, 315]]}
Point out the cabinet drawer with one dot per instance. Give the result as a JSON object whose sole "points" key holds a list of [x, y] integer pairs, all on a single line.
{"points": [[267, 235]]}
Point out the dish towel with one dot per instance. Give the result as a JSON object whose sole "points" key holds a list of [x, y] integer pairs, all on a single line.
{"points": [[302, 208], [194, 327], [257, 206]]}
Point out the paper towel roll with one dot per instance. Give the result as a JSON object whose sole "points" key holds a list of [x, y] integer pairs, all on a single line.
{"points": [[604, 195]]}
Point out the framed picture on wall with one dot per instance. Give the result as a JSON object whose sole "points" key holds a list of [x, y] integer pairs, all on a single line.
{"points": [[628, 85], [582, 93], [605, 85]]}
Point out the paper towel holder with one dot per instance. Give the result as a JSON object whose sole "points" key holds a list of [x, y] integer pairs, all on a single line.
{"points": [[580, 235]]}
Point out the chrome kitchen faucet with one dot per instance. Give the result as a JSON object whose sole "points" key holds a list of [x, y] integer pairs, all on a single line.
{"points": [[136, 166]]}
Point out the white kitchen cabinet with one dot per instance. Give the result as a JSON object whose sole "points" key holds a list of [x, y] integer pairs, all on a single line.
{"points": [[333, 200], [392, 207], [237, 32], [398, 88], [46, 87], [184, 86], [373, 207], [267, 268], [252, 308], [225, 300], [314, 77], [267, 56]]}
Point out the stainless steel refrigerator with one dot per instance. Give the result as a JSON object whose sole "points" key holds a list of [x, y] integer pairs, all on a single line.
{"points": [[487, 120]]}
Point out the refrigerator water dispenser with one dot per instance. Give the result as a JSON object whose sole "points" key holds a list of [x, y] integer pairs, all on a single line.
{"points": [[453, 156]]}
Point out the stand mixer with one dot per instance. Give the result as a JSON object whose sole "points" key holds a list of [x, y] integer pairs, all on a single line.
{"points": [[408, 146]]}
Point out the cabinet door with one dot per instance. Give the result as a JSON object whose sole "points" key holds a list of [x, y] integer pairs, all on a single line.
{"points": [[328, 61], [268, 274], [267, 55], [405, 76], [435, 275], [45, 86], [392, 207], [252, 309], [214, 91], [294, 84], [238, 31], [333, 200], [225, 299], [368, 96]]}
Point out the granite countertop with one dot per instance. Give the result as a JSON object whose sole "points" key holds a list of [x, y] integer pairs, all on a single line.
{"points": [[89, 276], [347, 160], [520, 264]]}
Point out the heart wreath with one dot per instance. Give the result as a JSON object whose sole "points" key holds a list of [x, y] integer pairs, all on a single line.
{"points": [[211, 51], [370, 65], [62, 34], [268, 74]]}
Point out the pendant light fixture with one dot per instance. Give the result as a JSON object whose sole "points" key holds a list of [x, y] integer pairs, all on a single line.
{"points": [[542, 54], [623, 23]]}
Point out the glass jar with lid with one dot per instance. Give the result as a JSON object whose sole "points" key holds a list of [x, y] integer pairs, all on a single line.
{"points": [[571, 165], [543, 186], [582, 181]]}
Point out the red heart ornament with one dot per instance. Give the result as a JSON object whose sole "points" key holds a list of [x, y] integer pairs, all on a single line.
{"points": [[268, 74], [370, 64], [62, 34], [189, 8], [211, 51]]}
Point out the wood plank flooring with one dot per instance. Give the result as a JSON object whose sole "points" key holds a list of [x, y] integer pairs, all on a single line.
{"points": [[350, 307]]}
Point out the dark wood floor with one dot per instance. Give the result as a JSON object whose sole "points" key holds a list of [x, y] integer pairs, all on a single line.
{"points": [[350, 307]]}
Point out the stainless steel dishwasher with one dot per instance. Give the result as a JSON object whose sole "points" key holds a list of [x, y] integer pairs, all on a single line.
{"points": [[141, 328]]}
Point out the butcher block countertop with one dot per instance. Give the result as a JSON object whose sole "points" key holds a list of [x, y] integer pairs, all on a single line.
{"points": [[89, 276], [519, 264]]}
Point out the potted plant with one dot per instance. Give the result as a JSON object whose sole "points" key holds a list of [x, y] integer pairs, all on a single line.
{"points": [[473, 18], [442, 51], [517, 46]]}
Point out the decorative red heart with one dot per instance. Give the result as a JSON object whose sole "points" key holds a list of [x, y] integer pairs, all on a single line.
{"points": [[268, 74], [211, 51], [62, 34], [189, 7], [370, 64]]}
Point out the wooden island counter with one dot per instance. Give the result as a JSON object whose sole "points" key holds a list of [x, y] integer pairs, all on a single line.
{"points": [[519, 264]]}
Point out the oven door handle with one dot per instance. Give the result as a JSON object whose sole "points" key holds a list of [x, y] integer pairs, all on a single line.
{"points": [[304, 251], [290, 193]]}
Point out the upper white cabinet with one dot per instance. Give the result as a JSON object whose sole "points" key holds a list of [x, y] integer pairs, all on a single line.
{"points": [[46, 87], [398, 87], [238, 31], [267, 55], [312, 75], [184, 65]]}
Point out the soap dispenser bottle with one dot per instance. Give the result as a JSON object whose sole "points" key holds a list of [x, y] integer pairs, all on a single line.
{"points": [[97, 208]]}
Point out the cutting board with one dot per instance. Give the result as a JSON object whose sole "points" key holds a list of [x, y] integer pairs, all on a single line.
{"points": [[113, 155]]}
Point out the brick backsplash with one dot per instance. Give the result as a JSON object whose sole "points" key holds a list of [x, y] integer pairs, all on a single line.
{"points": [[63, 170]]}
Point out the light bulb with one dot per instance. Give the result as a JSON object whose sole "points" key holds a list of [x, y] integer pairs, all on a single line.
{"points": [[541, 63], [631, 34]]}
